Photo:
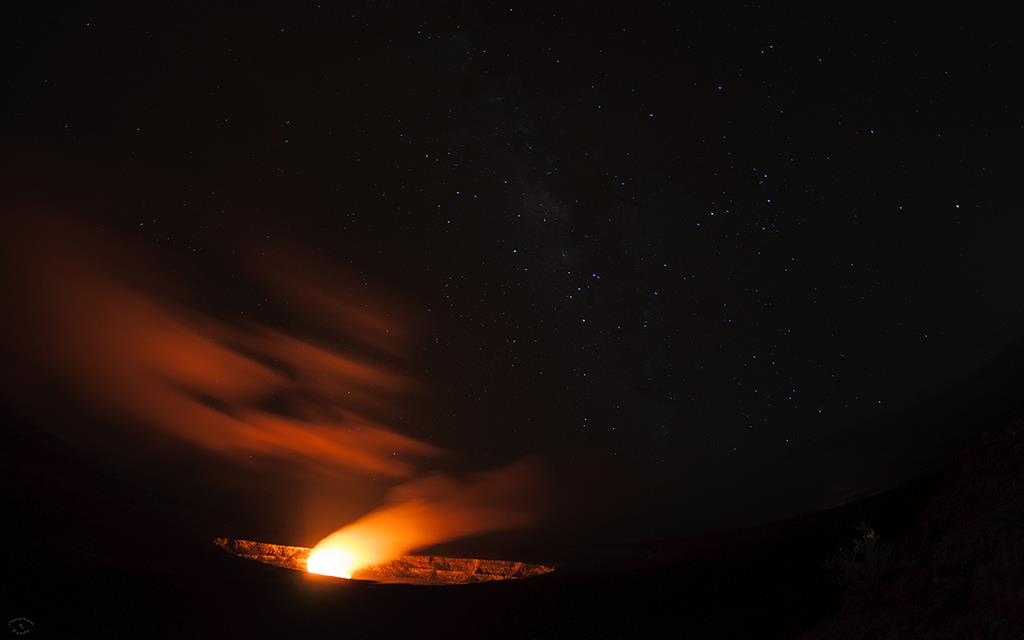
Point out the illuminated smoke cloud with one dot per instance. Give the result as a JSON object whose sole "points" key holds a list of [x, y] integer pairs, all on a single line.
{"points": [[84, 313], [429, 511], [121, 342]]}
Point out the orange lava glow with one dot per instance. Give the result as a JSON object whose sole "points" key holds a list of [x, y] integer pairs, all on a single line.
{"points": [[417, 570], [430, 511], [332, 560]]}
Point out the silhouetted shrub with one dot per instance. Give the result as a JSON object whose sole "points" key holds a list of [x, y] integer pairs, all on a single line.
{"points": [[864, 562]]}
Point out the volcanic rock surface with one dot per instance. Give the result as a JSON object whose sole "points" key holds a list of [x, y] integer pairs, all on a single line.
{"points": [[425, 570]]}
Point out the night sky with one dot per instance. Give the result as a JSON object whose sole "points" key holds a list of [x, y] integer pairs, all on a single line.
{"points": [[682, 258]]}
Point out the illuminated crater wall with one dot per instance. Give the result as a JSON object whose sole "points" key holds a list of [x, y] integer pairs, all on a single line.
{"points": [[424, 570]]}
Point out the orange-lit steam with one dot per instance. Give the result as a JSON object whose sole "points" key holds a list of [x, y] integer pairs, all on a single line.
{"points": [[82, 313], [429, 511], [124, 343]]}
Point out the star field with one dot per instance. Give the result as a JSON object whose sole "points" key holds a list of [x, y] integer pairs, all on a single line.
{"points": [[687, 246]]}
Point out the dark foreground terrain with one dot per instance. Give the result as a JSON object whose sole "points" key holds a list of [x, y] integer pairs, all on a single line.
{"points": [[958, 573], [90, 553], [942, 558]]}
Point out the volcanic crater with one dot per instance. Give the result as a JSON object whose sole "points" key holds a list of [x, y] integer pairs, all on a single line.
{"points": [[410, 569]]}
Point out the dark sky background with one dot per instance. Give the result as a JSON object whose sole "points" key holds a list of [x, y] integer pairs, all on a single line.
{"points": [[683, 257]]}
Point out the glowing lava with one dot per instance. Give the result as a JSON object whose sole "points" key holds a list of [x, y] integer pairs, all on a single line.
{"points": [[345, 552], [331, 561], [419, 570]]}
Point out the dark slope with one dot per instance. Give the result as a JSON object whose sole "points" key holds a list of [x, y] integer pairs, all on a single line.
{"points": [[959, 573], [90, 552]]}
